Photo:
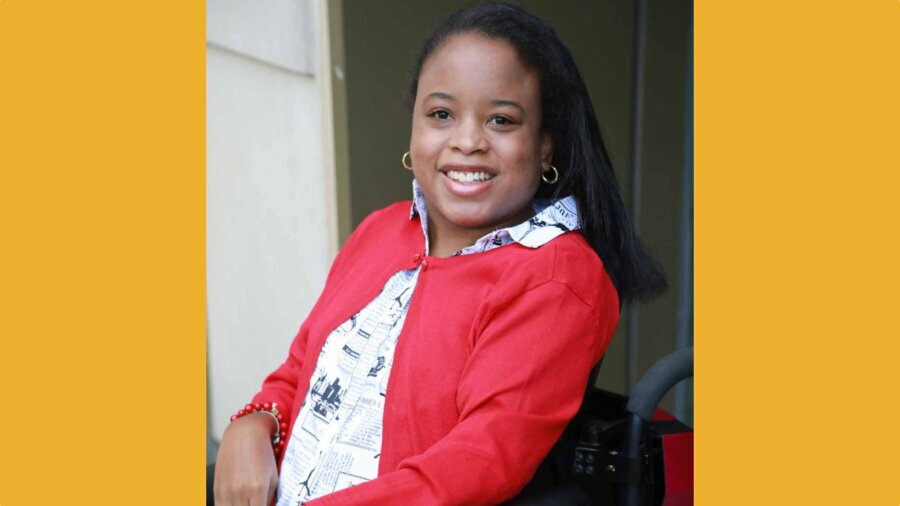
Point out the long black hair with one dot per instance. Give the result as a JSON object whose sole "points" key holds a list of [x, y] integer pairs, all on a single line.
{"points": [[578, 150]]}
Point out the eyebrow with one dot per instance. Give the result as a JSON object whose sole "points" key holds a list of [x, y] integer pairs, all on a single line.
{"points": [[439, 94], [494, 102], [511, 103]]}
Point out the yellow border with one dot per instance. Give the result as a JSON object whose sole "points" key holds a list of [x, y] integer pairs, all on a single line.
{"points": [[797, 253], [102, 361]]}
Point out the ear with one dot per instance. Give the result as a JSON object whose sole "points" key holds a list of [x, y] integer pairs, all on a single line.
{"points": [[546, 150]]}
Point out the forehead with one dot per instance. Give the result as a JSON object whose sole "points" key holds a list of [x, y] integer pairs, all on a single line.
{"points": [[471, 66]]}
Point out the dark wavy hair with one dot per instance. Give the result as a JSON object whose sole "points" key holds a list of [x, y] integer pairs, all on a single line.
{"points": [[578, 150]]}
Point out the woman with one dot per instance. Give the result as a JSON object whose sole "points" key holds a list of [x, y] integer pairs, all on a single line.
{"points": [[455, 334]]}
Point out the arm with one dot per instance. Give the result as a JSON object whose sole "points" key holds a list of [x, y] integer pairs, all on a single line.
{"points": [[246, 471], [281, 385], [246, 468], [524, 381]]}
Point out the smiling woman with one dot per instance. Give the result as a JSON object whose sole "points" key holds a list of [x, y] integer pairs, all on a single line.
{"points": [[477, 146], [454, 338]]}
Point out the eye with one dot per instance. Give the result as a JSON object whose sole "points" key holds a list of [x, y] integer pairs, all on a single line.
{"points": [[440, 114], [500, 120]]}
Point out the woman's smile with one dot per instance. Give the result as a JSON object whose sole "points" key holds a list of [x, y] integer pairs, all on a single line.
{"points": [[467, 180]]}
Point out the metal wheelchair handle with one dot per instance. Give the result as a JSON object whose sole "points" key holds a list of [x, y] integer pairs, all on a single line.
{"points": [[649, 390], [654, 384]]}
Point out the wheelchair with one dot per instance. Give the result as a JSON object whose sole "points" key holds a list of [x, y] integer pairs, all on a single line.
{"points": [[621, 451]]}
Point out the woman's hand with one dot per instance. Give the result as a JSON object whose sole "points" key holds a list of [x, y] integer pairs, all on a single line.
{"points": [[246, 472]]}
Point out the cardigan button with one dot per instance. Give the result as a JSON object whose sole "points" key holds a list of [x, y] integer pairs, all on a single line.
{"points": [[417, 257]]}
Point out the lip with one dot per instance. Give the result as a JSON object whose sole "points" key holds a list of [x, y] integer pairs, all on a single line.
{"points": [[467, 189]]}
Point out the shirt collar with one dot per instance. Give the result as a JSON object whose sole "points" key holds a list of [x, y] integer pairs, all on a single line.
{"points": [[552, 218]]}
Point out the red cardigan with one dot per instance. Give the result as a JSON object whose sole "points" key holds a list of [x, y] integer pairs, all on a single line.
{"points": [[491, 364]]}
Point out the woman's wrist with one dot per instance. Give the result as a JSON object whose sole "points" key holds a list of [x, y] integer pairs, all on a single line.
{"points": [[268, 419], [259, 422]]}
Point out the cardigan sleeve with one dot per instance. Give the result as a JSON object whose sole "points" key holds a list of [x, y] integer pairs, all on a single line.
{"points": [[524, 381], [281, 385]]}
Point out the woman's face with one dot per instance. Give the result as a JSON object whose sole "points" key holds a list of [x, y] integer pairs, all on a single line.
{"points": [[477, 149]]}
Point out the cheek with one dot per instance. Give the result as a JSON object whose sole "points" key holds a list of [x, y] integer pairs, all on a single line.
{"points": [[522, 154], [425, 144]]}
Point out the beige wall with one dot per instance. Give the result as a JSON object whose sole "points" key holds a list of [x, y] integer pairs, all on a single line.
{"points": [[271, 230]]}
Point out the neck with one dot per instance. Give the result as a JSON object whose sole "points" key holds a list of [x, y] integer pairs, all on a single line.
{"points": [[446, 238], [445, 242]]}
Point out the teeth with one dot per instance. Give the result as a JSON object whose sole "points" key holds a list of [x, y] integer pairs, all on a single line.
{"points": [[468, 177]]}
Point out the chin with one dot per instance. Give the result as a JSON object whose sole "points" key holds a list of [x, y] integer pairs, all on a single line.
{"points": [[469, 219]]}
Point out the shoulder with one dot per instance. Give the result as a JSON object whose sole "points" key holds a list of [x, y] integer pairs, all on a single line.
{"points": [[561, 287], [579, 268], [381, 224], [567, 262], [381, 231], [385, 217]]}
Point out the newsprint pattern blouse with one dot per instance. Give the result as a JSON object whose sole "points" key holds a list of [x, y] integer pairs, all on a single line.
{"points": [[336, 442]]}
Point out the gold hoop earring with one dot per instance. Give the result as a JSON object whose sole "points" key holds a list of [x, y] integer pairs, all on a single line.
{"points": [[555, 175], [403, 161]]}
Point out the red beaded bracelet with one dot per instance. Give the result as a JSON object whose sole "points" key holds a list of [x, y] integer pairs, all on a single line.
{"points": [[278, 442]]}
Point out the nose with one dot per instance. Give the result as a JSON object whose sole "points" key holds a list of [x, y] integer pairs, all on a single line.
{"points": [[468, 137]]}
